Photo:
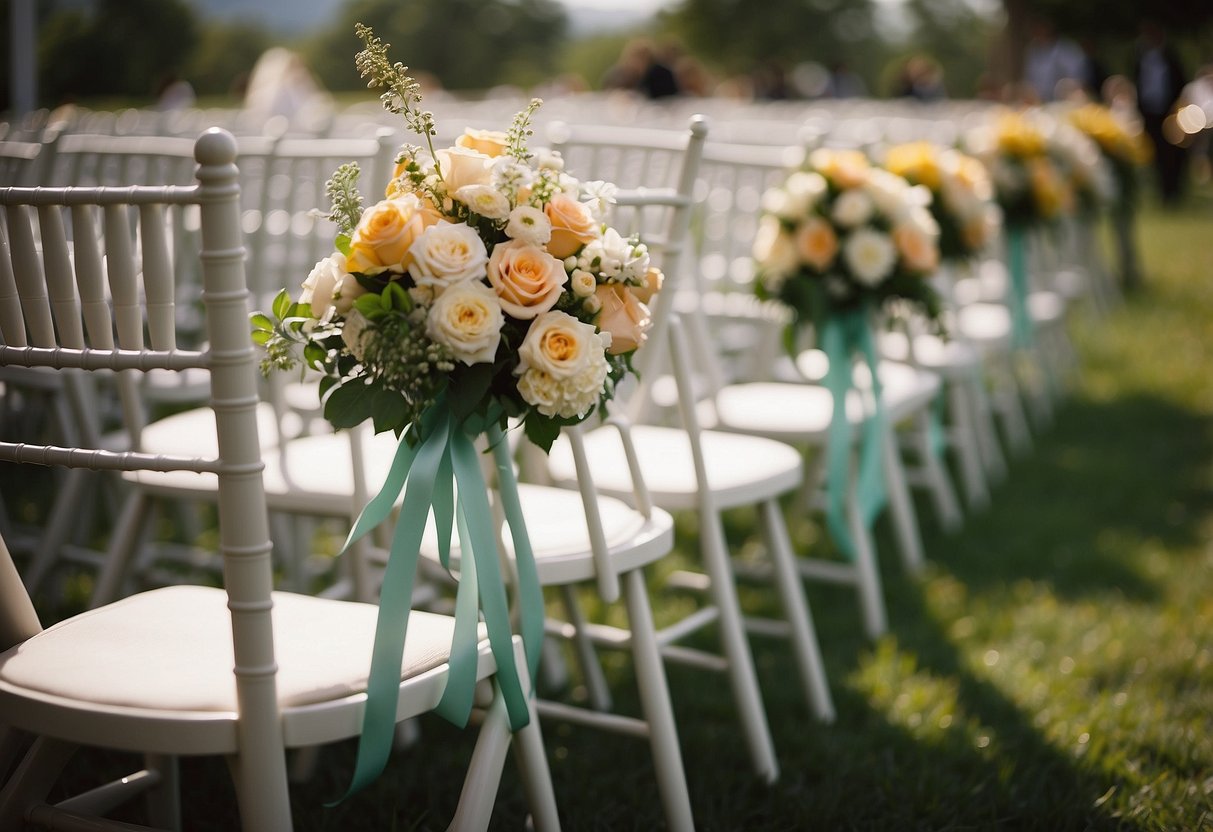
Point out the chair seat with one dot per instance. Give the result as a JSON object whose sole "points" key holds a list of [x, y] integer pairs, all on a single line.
{"points": [[192, 432], [951, 357], [800, 412], [741, 469], [985, 325], [560, 538], [166, 656]]}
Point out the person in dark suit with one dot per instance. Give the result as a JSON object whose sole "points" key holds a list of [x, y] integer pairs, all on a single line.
{"points": [[1160, 79]]}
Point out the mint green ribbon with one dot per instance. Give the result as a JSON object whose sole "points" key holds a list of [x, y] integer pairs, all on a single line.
{"points": [[843, 333], [1017, 289], [444, 461]]}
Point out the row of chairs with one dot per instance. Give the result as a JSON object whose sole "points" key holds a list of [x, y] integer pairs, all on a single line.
{"points": [[733, 444]]}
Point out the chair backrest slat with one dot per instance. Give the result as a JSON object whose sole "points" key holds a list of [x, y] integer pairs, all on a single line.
{"points": [[27, 269], [157, 278], [120, 265], [12, 322], [59, 279], [94, 304]]}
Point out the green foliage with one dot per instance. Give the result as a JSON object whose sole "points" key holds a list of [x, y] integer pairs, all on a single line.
{"points": [[224, 56]]}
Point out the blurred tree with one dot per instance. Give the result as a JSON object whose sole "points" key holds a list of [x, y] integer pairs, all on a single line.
{"points": [[492, 43], [732, 34], [224, 57], [957, 36], [117, 47]]}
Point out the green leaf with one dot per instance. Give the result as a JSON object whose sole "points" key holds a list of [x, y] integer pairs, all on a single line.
{"points": [[261, 337], [541, 430], [260, 321], [370, 306], [314, 354], [398, 297], [282, 305], [349, 404], [342, 244], [469, 388], [388, 410]]}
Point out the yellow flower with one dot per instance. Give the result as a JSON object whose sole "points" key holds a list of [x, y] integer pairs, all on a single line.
{"points": [[917, 162], [845, 168], [1016, 136]]}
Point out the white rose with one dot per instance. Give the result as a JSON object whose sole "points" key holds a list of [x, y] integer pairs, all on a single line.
{"points": [[922, 220], [484, 200], [446, 254], [852, 208], [870, 255], [330, 287], [887, 191], [778, 201], [562, 365], [468, 319], [774, 248], [548, 159], [462, 166], [805, 189], [529, 224]]}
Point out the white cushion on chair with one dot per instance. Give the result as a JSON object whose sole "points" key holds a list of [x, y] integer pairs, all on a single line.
{"points": [[171, 649]]}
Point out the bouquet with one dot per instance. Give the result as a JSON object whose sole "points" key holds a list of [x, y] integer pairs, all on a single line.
{"points": [[485, 285], [841, 234], [1124, 148], [487, 275], [1087, 172], [962, 196], [1028, 185]]}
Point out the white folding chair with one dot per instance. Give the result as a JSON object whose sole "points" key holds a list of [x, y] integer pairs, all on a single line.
{"points": [[239, 671]]}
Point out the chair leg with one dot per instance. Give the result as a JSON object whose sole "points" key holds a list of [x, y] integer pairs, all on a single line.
{"points": [[655, 700], [965, 440], [1010, 407], [736, 647], [587, 657], [905, 522], [164, 800], [992, 459], [261, 792], [943, 495], [867, 575], [484, 771], [33, 779], [532, 761], [796, 608]]}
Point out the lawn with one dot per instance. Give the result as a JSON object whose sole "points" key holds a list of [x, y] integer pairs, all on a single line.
{"points": [[1052, 669]]}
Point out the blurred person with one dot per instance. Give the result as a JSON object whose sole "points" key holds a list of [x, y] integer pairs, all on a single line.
{"points": [[1050, 60], [174, 93], [641, 68], [1160, 79], [844, 82], [921, 78], [770, 82], [1094, 72], [282, 85]]}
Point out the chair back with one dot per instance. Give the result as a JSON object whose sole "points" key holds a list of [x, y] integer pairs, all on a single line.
{"points": [[658, 171], [19, 163], [87, 306]]}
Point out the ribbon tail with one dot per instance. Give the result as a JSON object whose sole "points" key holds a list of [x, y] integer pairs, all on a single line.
{"points": [[838, 446], [871, 486], [473, 498], [381, 505], [395, 602], [530, 594], [455, 706], [1017, 298]]}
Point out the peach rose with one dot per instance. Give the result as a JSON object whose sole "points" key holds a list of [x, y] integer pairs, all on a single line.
{"points": [[845, 168], [918, 250], [461, 167], [384, 235], [816, 243], [653, 280], [527, 279], [623, 316], [572, 225], [491, 143]]}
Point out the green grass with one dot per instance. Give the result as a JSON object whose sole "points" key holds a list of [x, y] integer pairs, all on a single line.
{"points": [[1053, 669]]}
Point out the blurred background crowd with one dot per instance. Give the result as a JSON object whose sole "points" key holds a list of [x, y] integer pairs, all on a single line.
{"points": [[287, 58]]}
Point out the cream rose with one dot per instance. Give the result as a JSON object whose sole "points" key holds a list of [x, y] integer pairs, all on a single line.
{"points": [[852, 208], [491, 143], [330, 286], [527, 279], [572, 225], [562, 366], [468, 319], [623, 316], [461, 167], [448, 253], [582, 283], [384, 235], [870, 255], [774, 250], [816, 243]]}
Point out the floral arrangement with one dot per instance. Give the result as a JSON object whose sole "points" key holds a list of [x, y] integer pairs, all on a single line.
{"points": [[486, 275], [962, 196], [1087, 172], [1125, 149], [1028, 185], [841, 233]]}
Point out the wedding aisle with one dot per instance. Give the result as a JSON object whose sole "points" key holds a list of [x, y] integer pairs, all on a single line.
{"points": [[1053, 668]]}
